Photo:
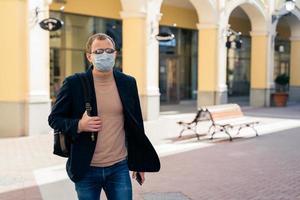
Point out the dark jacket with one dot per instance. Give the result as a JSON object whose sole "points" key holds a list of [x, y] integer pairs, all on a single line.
{"points": [[69, 108]]}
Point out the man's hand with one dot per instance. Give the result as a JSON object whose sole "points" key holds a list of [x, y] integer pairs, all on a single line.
{"points": [[142, 176], [89, 124]]}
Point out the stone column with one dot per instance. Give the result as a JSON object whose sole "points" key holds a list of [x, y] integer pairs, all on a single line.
{"points": [[39, 103], [14, 68], [294, 93], [140, 58], [260, 73], [212, 89]]}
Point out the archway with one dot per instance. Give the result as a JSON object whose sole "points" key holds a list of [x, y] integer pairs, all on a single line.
{"points": [[239, 58], [282, 48], [286, 52], [178, 59], [254, 13]]}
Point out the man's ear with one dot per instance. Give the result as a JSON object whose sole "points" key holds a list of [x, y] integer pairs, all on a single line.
{"points": [[89, 57]]}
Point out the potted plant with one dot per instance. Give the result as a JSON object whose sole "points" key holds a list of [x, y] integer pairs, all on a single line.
{"points": [[280, 97]]}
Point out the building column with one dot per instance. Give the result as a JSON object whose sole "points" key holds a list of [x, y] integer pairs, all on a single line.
{"points": [[39, 103], [261, 77], [140, 58], [212, 88], [14, 68], [294, 93]]}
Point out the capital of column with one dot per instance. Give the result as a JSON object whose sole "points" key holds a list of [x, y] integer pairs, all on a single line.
{"points": [[132, 14], [154, 18], [158, 16]]}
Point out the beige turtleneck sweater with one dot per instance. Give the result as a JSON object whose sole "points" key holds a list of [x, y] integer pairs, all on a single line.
{"points": [[110, 147]]}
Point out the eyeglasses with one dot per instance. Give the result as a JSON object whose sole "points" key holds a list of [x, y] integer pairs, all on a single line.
{"points": [[101, 51]]}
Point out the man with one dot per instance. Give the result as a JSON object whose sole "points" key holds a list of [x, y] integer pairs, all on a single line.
{"points": [[112, 141]]}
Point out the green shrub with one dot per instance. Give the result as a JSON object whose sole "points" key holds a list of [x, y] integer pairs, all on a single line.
{"points": [[282, 79], [282, 82]]}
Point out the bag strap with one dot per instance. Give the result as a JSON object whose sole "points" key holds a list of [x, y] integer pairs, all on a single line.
{"points": [[86, 92]]}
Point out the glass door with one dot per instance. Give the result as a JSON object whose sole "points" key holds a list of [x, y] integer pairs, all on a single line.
{"points": [[169, 79]]}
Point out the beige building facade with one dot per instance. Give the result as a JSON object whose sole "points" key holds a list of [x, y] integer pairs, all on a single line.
{"points": [[196, 66]]}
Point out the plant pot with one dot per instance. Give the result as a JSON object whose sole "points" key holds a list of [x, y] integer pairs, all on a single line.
{"points": [[279, 99]]}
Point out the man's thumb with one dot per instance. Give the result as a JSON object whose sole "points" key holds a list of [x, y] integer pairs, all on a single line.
{"points": [[85, 113]]}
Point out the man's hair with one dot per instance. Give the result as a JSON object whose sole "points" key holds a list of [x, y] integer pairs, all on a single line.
{"points": [[97, 36]]}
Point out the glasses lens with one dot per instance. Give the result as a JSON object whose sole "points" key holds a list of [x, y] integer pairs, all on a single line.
{"points": [[109, 50], [98, 51]]}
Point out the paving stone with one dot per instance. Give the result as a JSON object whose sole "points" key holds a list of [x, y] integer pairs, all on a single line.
{"points": [[165, 196]]}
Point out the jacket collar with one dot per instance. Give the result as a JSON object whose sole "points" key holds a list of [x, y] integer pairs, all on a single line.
{"points": [[117, 75], [120, 83]]}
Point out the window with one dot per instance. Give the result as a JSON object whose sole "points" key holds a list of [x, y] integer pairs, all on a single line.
{"points": [[67, 45]]}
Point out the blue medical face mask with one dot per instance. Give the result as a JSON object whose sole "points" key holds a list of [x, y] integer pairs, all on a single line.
{"points": [[104, 62]]}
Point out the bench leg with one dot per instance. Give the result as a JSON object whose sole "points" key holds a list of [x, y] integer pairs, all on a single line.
{"points": [[198, 136], [222, 129], [238, 132], [189, 128], [250, 126], [230, 138], [180, 134], [213, 133], [196, 133], [211, 126], [226, 131], [256, 133]]}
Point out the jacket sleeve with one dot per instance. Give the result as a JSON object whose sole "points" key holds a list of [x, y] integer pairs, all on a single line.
{"points": [[138, 112], [60, 116]]}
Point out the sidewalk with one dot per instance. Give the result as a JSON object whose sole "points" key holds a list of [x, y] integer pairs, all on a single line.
{"points": [[29, 170]]}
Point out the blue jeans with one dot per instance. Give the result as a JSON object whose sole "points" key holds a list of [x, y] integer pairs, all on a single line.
{"points": [[115, 181]]}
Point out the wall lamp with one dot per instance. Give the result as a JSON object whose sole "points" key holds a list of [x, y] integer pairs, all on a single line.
{"points": [[48, 24], [289, 6], [164, 35], [233, 38]]}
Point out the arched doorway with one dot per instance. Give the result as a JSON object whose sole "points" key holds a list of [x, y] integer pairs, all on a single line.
{"points": [[178, 57], [286, 52], [282, 48], [239, 58], [179, 63], [259, 43]]}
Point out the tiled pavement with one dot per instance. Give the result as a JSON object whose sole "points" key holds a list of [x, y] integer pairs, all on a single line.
{"points": [[19, 158], [264, 167], [260, 168]]}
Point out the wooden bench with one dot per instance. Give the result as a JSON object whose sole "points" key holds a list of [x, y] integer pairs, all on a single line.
{"points": [[192, 125], [226, 117]]}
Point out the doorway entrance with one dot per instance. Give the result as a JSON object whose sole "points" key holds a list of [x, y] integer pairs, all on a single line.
{"points": [[178, 67], [169, 79]]}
